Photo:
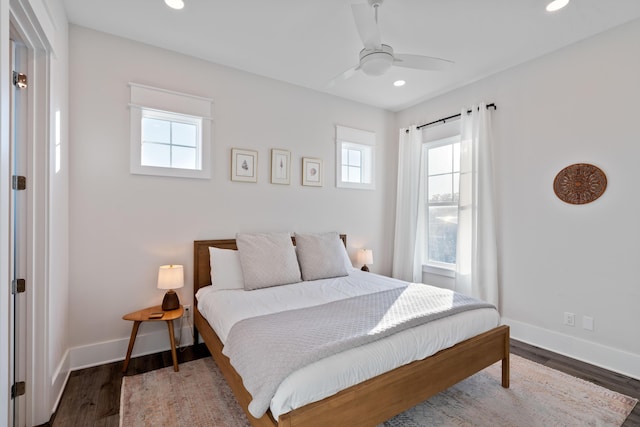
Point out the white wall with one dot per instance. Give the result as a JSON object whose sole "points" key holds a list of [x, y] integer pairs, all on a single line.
{"points": [[124, 226], [579, 104]]}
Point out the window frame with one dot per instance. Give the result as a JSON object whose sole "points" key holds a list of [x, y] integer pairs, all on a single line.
{"points": [[356, 140], [428, 265], [176, 107]]}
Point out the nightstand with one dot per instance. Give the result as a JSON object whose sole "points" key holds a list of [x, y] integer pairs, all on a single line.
{"points": [[148, 315]]}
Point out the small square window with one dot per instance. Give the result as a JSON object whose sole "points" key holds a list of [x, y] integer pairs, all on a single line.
{"points": [[170, 140], [354, 164], [354, 158], [168, 143]]}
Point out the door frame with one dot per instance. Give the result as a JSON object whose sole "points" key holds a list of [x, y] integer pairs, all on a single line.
{"points": [[5, 197], [17, 17]]}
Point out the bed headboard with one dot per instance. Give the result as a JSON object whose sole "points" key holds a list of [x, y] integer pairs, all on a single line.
{"points": [[201, 266]]}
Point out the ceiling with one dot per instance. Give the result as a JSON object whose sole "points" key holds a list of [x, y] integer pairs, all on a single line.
{"points": [[308, 43]]}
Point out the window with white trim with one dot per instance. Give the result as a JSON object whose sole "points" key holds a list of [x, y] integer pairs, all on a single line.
{"points": [[170, 133], [441, 163], [355, 155]]}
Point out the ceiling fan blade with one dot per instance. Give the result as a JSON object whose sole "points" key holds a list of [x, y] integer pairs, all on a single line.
{"points": [[342, 77], [367, 26], [421, 62]]}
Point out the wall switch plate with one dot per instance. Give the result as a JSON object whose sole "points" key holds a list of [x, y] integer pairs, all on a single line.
{"points": [[587, 323], [569, 319]]}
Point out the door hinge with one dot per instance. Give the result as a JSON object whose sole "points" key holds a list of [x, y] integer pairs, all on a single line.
{"points": [[19, 80], [18, 286], [19, 182], [18, 389]]}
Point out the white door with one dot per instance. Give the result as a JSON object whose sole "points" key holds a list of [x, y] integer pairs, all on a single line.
{"points": [[18, 222]]}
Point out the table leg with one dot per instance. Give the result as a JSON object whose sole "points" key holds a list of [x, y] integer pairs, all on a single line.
{"points": [[132, 340], [173, 345]]}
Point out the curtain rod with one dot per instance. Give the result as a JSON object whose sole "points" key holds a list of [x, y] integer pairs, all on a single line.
{"points": [[444, 120]]}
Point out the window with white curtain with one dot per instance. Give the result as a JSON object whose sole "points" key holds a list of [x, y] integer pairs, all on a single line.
{"points": [[445, 225], [441, 165], [355, 151], [170, 133]]}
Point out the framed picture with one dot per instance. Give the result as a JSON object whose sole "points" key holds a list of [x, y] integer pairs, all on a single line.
{"points": [[280, 167], [244, 165], [312, 172]]}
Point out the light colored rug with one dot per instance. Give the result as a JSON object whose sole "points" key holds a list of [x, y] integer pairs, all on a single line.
{"points": [[538, 397]]}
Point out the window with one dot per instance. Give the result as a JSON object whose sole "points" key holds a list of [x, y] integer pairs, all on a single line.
{"points": [[354, 158], [170, 140], [442, 178], [170, 133], [355, 168]]}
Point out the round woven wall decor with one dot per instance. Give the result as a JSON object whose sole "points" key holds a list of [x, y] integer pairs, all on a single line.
{"points": [[580, 183]]}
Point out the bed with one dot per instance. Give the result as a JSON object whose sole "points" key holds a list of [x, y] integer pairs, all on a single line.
{"points": [[372, 401]]}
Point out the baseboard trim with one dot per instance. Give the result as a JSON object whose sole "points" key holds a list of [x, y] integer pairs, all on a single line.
{"points": [[59, 380], [100, 353], [609, 358]]}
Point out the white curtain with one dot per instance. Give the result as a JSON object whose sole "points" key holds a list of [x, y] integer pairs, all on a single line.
{"points": [[409, 231], [476, 258]]}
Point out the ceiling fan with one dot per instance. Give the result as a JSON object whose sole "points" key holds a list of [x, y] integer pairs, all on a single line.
{"points": [[376, 58]]}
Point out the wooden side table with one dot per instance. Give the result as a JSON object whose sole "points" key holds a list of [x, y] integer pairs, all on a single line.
{"points": [[145, 315]]}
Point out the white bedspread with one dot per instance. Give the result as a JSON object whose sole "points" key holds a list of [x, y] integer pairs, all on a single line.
{"points": [[327, 376]]}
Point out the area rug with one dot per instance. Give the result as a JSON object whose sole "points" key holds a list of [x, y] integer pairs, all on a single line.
{"points": [[538, 397]]}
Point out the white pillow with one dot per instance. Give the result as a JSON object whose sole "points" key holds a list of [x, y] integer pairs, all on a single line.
{"points": [[267, 259], [321, 256], [226, 272]]}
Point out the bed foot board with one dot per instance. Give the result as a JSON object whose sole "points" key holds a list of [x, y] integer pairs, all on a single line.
{"points": [[380, 398]]}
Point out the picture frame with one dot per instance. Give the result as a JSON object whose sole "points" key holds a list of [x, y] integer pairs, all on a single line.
{"points": [[244, 165], [280, 166], [312, 172]]}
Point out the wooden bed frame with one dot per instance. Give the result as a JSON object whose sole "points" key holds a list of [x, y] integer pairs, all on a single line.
{"points": [[373, 401]]}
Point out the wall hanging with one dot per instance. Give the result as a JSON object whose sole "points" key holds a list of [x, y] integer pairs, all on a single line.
{"points": [[244, 165], [580, 183]]}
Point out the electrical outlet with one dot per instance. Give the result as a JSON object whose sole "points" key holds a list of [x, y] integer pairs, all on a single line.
{"points": [[187, 311], [569, 319]]}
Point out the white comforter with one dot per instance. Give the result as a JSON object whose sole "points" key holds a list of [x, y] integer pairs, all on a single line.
{"points": [[224, 308]]}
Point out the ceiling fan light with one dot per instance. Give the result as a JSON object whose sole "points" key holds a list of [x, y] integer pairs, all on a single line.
{"points": [[556, 5], [174, 4], [376, 63]]}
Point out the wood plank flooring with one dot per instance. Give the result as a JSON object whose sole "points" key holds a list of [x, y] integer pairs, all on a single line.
{"points": [[92, 395]]}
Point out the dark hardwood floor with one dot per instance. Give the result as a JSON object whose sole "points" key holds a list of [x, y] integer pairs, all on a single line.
{"points": [[92, 395]]}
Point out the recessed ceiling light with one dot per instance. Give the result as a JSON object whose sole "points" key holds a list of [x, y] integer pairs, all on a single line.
{"points": [[175, 4], [556, 5], [399, 83]]}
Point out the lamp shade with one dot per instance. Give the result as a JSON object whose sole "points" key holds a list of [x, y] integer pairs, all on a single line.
{"points": [[365, 256], [170, 277]]}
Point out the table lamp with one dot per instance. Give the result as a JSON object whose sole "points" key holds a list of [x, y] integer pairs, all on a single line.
{"points": [[365, 256], [170, 277]]}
